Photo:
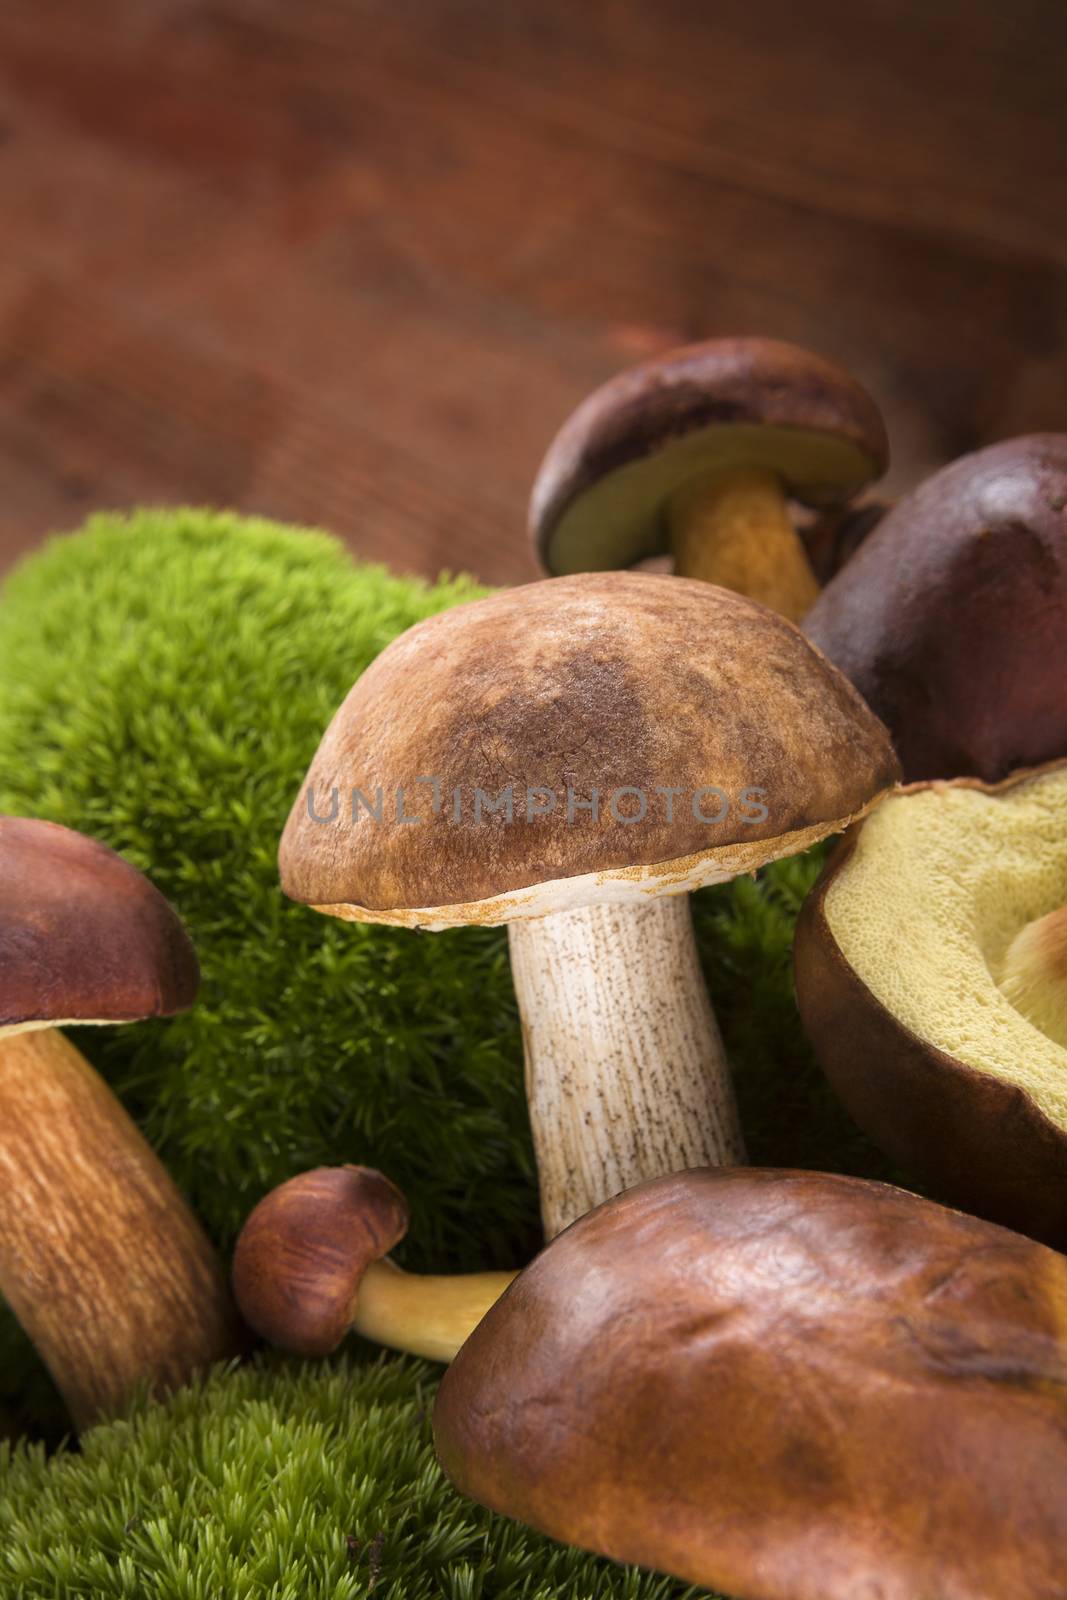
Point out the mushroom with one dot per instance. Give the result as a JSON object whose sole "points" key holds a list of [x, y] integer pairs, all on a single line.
{"points": [[572, 758], [696, 452], [101, 1260], [931, 975], [312, 1264], [951, 619], [781, 1386]]}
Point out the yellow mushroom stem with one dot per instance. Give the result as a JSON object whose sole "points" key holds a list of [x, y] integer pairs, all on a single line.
{"points": [[1035, 974], [732, 527], [426, 1315]]}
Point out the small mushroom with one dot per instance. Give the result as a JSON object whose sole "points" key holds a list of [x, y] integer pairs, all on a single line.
{"points": [[780, 1386], [632, 738], [951, 618], [101, 1260], [697, 452], [312, 1264], [931, 977]]}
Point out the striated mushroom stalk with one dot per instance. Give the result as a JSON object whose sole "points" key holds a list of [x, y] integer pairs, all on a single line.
{"points": [[1034, 978], [101, 1259], [733, 527], [626, 1073], [311, 1265]]}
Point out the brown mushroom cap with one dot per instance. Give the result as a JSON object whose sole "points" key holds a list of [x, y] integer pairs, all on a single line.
{"points": [[602, 492], [900, 952], [951, 619], [84, 937], [612, 680], [783, 1385], [303, 1251]]}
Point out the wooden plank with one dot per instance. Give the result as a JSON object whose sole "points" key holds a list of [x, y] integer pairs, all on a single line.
{"points": [[350, 263]]}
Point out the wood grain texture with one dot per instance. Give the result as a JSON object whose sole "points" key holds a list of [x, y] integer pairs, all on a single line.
{"points": [[353, 263], [626, 1076], [100, 1258]]}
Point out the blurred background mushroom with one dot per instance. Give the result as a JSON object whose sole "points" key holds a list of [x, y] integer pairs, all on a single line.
{"points": [[696, 453], [588, 750], [100, 1258], [931, 979], [312, 1265], [950, 617], [783, 1385]]}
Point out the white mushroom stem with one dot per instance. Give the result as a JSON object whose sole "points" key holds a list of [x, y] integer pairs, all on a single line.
{"points": [[626, 1077], [732, 527], [1035, 974], [425, 1314]]}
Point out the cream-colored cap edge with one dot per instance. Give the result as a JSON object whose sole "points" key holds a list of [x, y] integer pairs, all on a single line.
{"points": [[617, 884]]}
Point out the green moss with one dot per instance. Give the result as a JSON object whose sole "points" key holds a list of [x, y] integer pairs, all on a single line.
{"points": [[313, 1483], [164, 681]]}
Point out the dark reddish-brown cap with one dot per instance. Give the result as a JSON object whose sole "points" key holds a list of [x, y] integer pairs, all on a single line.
{"points": [[951, 618], [620, 682], [302, 1254], [84, 937], [602, 493], [780, 1386]]}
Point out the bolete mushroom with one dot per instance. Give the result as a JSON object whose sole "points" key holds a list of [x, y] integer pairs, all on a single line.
{"points": [[571, 758], [951, 619], [312, 1265], [931, 972], [697, 452], [781, 1386], [101, 1259]]}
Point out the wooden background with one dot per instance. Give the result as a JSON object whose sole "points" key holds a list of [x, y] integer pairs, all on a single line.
{"points": [[352, 261]]}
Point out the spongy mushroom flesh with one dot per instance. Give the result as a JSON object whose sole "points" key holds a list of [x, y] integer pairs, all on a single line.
{"points": [[948, 940]]}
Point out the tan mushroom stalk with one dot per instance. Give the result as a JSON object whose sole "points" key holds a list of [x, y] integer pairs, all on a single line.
{"points": [[626, 1075], [101, 1259], [579, 754], [732, 526], [311, 1265], [700, 452], [783, 1385]]}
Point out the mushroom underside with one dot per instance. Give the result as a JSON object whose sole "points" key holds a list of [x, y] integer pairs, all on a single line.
{"points": [[619, 519], [927, 907]]}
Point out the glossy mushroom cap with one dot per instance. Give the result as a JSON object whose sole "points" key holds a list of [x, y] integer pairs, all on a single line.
{"points": [[603, 490], [613, 681], [781, 1386], [902, 954], [84, 937], [303, 1252], [951, 619]]}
